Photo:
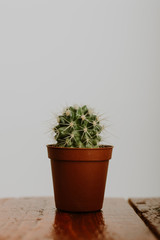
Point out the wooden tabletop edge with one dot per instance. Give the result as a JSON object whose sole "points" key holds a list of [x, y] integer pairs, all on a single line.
{"points": [[140, 214]]}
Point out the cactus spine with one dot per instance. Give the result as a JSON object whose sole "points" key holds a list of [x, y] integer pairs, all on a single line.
{"points": [[78, 127]]}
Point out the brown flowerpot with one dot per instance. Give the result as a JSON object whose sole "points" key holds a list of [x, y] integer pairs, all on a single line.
{"points": [[79, 177]]}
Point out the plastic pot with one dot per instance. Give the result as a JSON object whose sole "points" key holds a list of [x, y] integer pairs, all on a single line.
{"points": [[79, 177]]}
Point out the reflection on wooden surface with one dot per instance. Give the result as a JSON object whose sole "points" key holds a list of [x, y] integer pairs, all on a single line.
{"points": [[37, 219], [79, 226]]}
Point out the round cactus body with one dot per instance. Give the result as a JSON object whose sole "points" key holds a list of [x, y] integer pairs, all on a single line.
{"points": [[78, 127]]}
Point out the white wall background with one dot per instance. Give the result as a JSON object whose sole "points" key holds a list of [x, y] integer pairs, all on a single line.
{"points": [[102, 53]]}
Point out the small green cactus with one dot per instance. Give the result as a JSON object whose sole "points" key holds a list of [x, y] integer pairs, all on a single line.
{"points": [[78, 127]]}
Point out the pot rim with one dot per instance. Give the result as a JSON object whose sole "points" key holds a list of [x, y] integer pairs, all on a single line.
{"points": [[79, 154], [72, 148]]}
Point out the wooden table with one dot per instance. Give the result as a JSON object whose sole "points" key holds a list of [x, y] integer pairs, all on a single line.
{"points": [[37, 219]]}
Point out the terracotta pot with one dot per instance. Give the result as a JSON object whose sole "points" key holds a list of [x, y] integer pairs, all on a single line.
{"points": [[79, 177]]}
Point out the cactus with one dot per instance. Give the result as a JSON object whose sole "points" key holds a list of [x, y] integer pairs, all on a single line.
{"points": [[78, 127]]}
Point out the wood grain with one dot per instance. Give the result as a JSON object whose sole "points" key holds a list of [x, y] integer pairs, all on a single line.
{"points": [[37, 218], [149, 210]]}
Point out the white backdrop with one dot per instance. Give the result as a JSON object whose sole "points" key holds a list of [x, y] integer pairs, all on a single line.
{"points": [[102, 53]]}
